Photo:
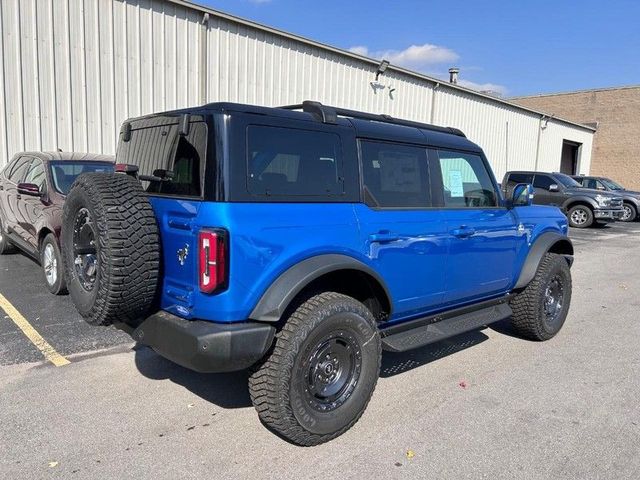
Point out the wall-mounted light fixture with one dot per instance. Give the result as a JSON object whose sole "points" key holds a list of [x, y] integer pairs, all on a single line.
{"points": [[384, 64]]}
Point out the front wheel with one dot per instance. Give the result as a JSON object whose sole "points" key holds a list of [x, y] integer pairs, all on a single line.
{"points": [[580, 216], [319, 378], [629, 212], [539, 311], [52, 268]]}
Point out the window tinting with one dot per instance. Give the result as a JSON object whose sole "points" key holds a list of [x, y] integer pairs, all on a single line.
{"points": [[466, 181], [514, 179], [19, 168], [292, 162], [394, 175], [543, 181], [168, 163], [64, 173], [36, 175]]}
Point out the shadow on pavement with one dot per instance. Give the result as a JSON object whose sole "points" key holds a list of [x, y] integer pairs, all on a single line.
{"points": [[397, 363], [229, 390]]}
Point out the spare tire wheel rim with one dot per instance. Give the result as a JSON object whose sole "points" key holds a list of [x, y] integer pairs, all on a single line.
{"points": [[84, 249], [50, 264], [333, 370], [579, 216]]}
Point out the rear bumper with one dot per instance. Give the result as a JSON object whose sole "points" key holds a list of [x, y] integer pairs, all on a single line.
{"points": [[608, 214], [205, 346]]}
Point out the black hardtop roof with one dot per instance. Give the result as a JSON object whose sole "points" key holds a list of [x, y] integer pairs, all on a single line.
{"points": [[365, 125]]}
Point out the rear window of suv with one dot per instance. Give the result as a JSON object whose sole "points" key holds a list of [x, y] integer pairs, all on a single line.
{"points": [[289, 162], [168, 163]]}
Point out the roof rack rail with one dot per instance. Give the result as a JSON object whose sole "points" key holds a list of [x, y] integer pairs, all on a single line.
{"points": [[327, 114]]}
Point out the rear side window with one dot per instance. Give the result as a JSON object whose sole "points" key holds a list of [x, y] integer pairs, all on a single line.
{"points": [[394, 176], [17, 171], [293, 163], [466, 181], [516, 178], [168, 163]]}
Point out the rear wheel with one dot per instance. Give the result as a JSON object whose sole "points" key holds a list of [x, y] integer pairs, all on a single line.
{"points": [[539, 311], [580, 216], [319, 378], [630, 212], [52, 268], [5, 245], [111, 249]]}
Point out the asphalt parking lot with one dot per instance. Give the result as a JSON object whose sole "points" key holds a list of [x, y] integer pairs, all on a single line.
{"points": [[485, 404]]}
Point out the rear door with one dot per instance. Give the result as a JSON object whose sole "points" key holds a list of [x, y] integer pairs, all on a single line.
{"points": [[10, 197], [30, 208], [483, 235], [402, 234]]}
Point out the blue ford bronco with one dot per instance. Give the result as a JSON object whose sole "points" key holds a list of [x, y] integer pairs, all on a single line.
{"points": [[302, 241]]}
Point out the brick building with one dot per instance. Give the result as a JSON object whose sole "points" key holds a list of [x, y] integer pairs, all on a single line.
{"points": [[616, 113]]}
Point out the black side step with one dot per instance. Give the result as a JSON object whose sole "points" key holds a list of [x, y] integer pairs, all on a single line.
{"points": [[441, 328]]}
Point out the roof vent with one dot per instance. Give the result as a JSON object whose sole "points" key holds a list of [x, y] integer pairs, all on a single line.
{"points": [[453, 75]]}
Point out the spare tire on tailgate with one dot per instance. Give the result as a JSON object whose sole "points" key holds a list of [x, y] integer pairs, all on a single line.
{"points": [[111, 249]]}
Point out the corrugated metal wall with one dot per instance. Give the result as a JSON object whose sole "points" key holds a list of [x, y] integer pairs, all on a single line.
{"points": [[73, 70]]}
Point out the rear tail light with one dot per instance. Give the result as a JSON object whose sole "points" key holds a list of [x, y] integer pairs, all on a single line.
{"points": [[213, 253]]}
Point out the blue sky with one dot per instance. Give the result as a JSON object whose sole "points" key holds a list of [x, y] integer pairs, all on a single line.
{"points": [[515, 47]]}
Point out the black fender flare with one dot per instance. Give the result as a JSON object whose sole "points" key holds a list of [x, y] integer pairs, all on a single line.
{"points": [[283, 290], [543, 244]]}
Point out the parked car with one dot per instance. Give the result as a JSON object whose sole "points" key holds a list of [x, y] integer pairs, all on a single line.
{"points": [[33, 187], [301, 241], [631, 199], [583, 206]]}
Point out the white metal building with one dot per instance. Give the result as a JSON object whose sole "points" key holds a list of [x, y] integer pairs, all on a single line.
{"points": [[73, 70]]}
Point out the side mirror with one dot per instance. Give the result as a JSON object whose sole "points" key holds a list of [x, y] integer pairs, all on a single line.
{"points": [[522, 195], [553, 187], [30, 189]]}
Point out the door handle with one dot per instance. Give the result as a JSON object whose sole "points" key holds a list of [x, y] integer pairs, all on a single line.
{"points": [[463, 232], [384, 237]]}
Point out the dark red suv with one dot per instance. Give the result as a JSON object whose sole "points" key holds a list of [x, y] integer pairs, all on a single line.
{"points": [[33, 187]]}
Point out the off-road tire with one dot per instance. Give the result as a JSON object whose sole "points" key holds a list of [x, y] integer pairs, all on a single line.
{"points": [[5, 245], [587, 212], [59, 286], [633, 213], [529, 319], [127, 249], [278, 387]]}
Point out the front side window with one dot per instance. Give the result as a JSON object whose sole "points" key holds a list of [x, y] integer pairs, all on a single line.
{"points": [[543, 181], [466, 181], [292, 162], [395, 176], [65, 172], [36, 175]]}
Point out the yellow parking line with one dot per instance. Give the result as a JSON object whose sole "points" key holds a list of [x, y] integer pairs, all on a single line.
{"points": [[41, 344]]}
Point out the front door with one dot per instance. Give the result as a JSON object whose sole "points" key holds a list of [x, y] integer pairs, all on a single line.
{"points": [[30, 208], [544, 195], [483, 235], [404, 238]]}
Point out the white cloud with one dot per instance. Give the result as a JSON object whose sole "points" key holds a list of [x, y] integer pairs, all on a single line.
{"points": [[429, 59], [416, 57], [484, 87]]}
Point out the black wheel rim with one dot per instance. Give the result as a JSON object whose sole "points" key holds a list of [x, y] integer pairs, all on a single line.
{"points": [[553, 300], [333, 369], [84, 249]]}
